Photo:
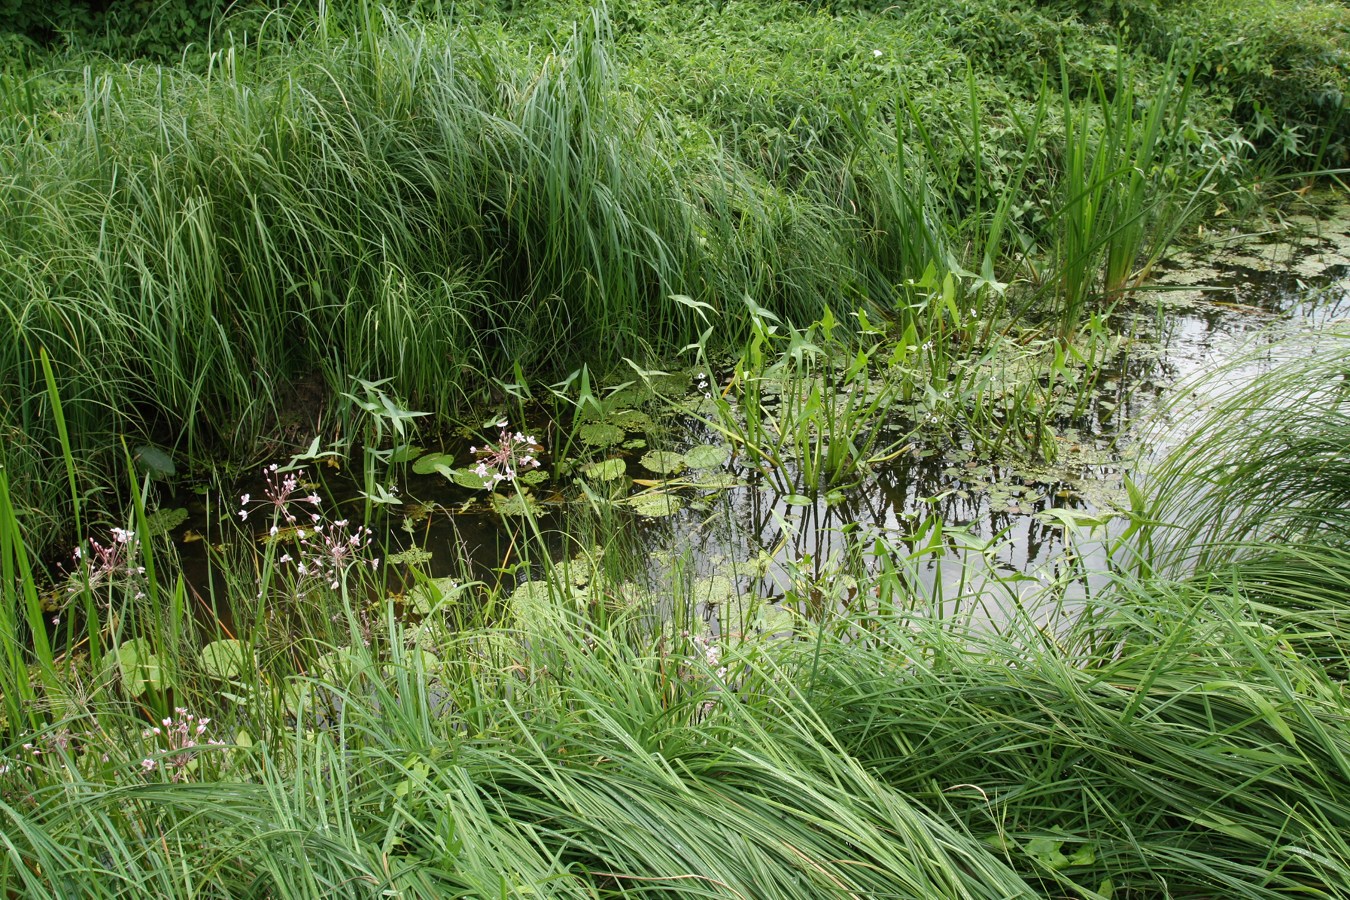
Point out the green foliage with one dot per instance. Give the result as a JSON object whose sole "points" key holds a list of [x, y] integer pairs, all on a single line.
{"points": [[1165, 737], [155, 29], [1281, 70]]}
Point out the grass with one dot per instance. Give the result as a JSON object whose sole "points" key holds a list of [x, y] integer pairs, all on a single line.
{"points": [[1175, 736], [211, 254], [430, 215]]}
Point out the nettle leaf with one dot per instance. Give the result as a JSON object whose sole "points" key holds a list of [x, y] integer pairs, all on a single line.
{"points": [[1047, 851], [227, 659]]}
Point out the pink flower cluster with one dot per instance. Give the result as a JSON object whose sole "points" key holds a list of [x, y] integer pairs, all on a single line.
{"points": [[508, 457], [282, 489], [181, 738], [118, 560], [325, 550]]}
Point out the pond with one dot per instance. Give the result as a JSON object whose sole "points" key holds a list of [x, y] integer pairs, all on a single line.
{"points": [[652, 486]]}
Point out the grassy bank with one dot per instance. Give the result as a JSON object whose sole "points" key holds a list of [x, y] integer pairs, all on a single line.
{"points": [[868, 228], [211, 254], [1181, 735]]}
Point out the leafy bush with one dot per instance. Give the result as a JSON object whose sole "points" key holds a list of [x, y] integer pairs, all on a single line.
{"points": [[155, 29]]}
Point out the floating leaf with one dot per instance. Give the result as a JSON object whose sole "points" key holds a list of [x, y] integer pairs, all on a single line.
{"points": [[535, 604], [716, 481], [427, 464], [296, 696], [225, 659], [654, 504], [413, 556], [705, 456], [664, 462], [405, 453], [774, 621], [600, 434], [515, 504], [429, 595], [162, 521], [155, 461], [288, 534], [336, 666], [631, 420], [534, 476], [605, 470], [634, 444], [714, 590], [797, 500], [140, 667], [467, 478]]}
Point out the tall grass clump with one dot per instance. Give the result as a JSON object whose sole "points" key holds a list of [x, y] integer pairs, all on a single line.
{"points": [[1263, 458], [402, 202]]}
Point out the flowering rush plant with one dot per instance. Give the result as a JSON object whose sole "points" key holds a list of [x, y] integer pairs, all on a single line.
{"points": [[117, 562], [324, 550], [505, 460]]}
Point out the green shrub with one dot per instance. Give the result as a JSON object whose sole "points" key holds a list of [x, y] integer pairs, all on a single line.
{"points": [[154, 29]]}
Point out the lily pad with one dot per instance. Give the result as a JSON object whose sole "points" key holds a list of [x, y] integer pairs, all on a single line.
{"points": [[663, 462], [605, 470], [140, 667], [600, 434], [631, 420], [654, 504], [155, 461], [515, 504], [774, 620], [466, 478], [162, 521], [413, 556], [226, 659], [405, 453], [717, 481], [715, 590], [336, 666], [428, 596], [705, 456], [425, 465], [536, 603], [534, 476]]}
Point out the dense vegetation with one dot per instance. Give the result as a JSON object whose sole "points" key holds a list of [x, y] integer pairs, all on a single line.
{"points": [[234, 236]]}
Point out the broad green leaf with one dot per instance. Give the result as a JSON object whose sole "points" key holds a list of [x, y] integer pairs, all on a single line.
{"points": [[705, 456], [140, 667], [226, 659], [604, 470]]}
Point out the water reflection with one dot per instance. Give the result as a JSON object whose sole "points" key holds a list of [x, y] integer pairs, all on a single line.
{"points": [[961, 519]]}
